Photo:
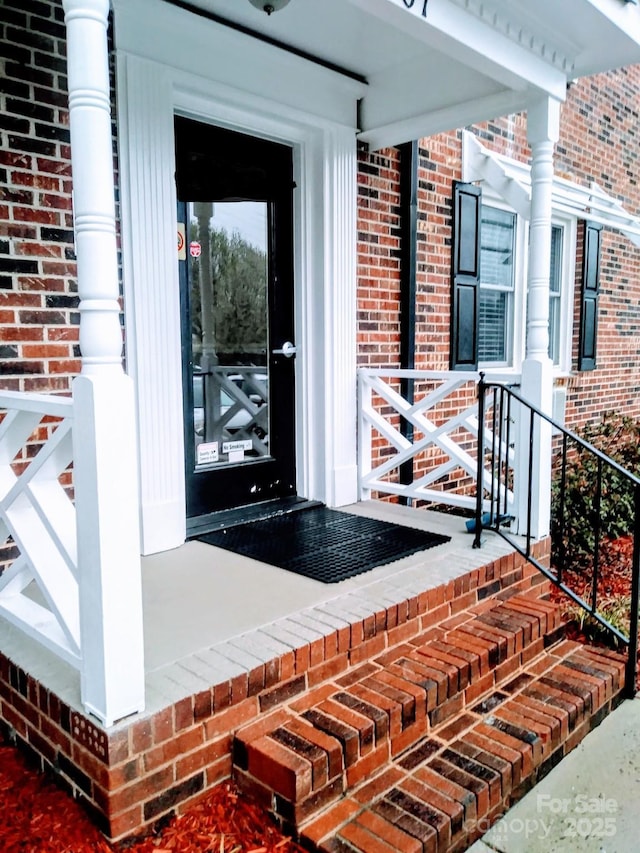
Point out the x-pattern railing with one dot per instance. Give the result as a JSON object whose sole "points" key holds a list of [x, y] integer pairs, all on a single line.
{"points": [[442, 416], [236, 405], [249, 395], [38, 514]]}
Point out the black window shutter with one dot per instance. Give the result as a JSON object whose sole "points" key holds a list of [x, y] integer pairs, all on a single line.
{"points": [[465, 276], [590, 289]]}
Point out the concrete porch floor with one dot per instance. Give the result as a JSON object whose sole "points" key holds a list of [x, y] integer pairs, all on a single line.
{"points": [[210, 615]]}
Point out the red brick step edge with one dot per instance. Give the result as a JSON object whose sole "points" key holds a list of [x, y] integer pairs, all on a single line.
{"points": [[402, 713]]}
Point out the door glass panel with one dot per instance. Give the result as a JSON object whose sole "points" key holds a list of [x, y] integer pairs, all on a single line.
{"points": [[228, 265]]}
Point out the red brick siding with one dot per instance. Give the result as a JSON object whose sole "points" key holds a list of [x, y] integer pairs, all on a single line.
{"points": [[378, 258], [601, 142], [439, 165], [38, 301]]}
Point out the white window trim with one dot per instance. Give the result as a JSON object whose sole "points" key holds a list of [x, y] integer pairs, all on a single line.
{"points": [[516, 345], [517, 328], [569, 224]]}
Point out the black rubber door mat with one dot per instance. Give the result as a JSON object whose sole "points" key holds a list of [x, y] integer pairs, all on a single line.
{"points": [[323, 544]]}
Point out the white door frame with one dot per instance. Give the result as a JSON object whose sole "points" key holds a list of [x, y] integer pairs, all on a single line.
{"points": [[151, 90]]}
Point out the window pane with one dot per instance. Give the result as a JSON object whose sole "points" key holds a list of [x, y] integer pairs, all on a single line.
{"points": [[229, 272], [493, 320], [555, 279], [496, 248], [497, 244], [556, 258]]}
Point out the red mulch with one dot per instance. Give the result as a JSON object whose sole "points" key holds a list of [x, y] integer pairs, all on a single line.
{"points": [[614, 574], [614, 569], [614, 585], [39, 817]]}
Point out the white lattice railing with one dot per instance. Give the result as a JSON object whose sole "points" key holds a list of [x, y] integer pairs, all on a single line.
{"points": [[39, 591], [234, 404], [441, 453]]}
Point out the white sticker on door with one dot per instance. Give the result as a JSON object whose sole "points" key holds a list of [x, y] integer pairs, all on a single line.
{"points": [[207, 453], [233, 446]]}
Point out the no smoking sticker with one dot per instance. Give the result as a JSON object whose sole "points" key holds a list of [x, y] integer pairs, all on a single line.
{"points": [[182, 242]]}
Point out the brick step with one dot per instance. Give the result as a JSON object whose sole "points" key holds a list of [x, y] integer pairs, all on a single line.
{"points": [[310, 753], [444, 793]]}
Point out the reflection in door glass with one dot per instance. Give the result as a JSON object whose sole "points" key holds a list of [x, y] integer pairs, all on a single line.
{"points": [[228, 266]]}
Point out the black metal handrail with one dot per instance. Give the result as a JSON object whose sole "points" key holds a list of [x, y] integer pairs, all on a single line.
{"points": [[500, 404]]}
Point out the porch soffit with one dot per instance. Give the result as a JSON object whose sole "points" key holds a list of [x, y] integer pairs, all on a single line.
{"points": [[511, 179], [433, 65]]}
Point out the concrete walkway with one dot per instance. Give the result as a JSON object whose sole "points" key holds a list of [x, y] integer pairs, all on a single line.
{"points": [[590, 803]]}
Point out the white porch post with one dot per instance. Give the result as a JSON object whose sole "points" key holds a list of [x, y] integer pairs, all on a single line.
{"points": [[543, 120], [105, 481]]}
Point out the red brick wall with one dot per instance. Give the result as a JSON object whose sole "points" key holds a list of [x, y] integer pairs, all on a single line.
{"points": [[38, 302], [439, 165], [378, 258], [601, 142]]}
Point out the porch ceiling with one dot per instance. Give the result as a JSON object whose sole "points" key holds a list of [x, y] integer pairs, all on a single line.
{"points": [[432, 65]]}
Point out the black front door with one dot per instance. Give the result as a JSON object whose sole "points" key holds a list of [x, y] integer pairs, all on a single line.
{"points": [[235, 244]]}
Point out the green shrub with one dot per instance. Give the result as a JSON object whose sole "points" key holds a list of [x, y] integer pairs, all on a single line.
{"points": [[573, 534], [614, 610]]}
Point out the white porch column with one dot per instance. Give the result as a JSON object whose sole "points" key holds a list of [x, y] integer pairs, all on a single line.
{"points": [[105, 464], [543, 124]]}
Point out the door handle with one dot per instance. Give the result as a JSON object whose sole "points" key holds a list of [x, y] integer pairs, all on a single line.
{"points": [[288, 350]]}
